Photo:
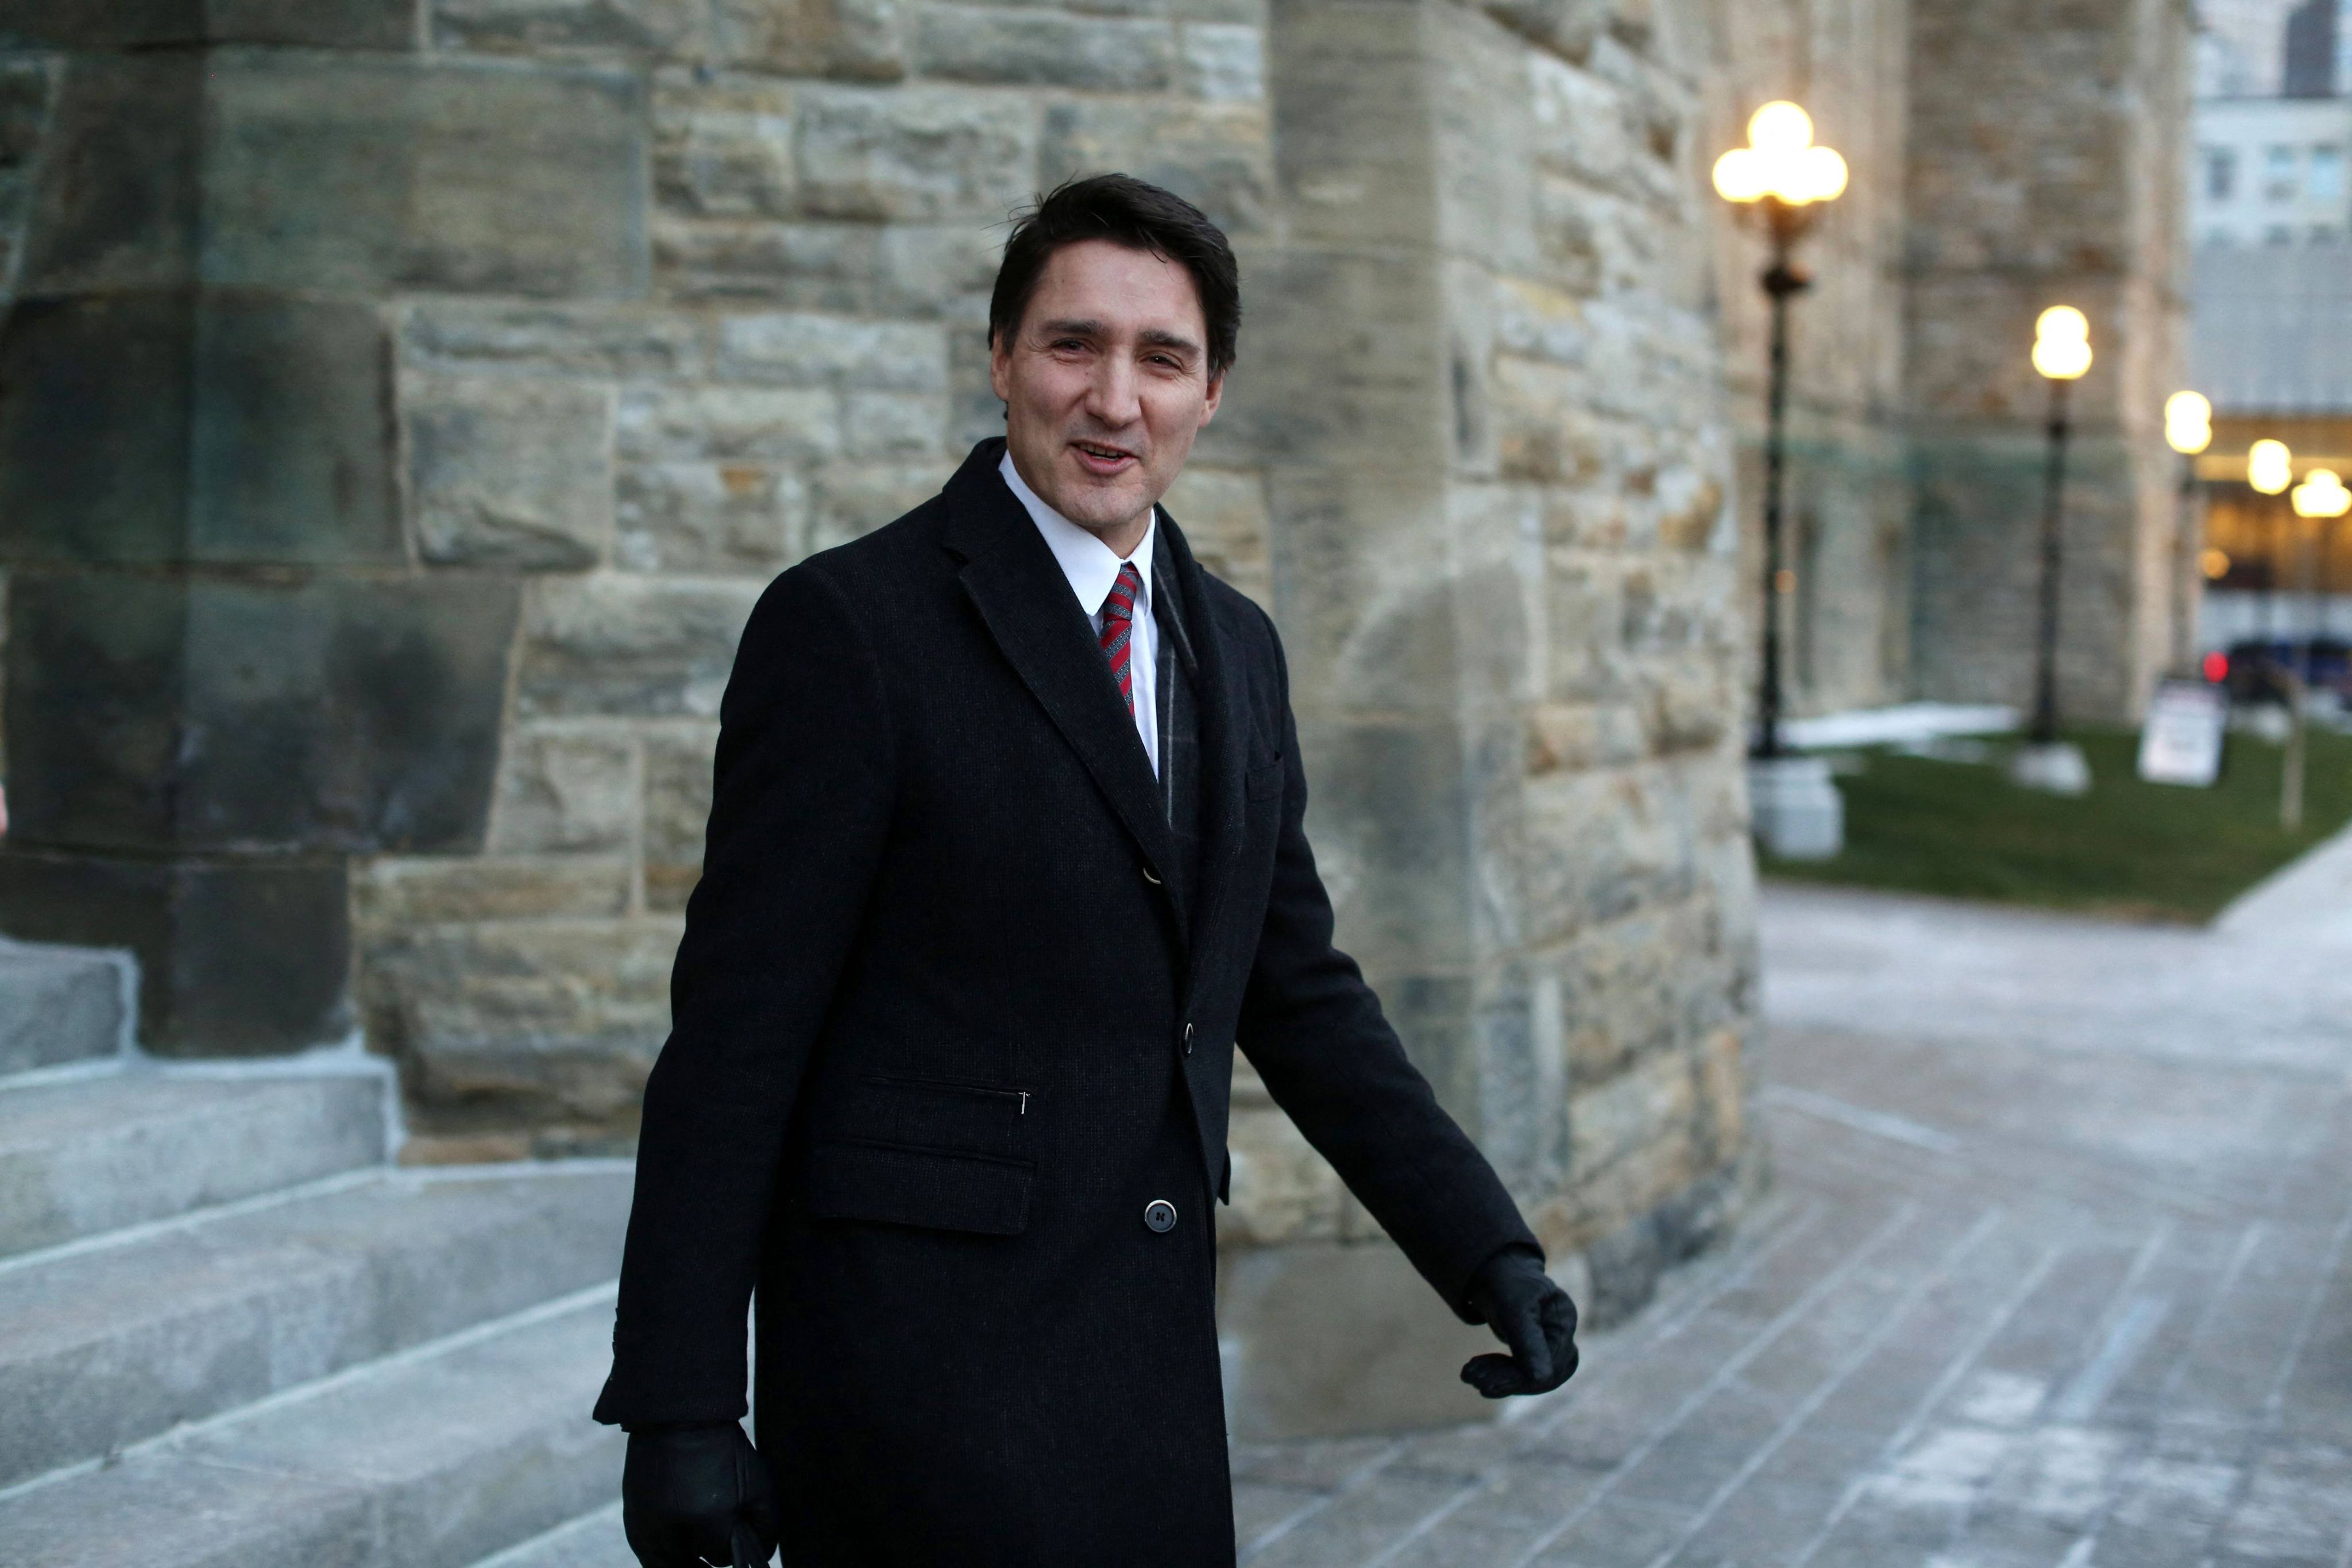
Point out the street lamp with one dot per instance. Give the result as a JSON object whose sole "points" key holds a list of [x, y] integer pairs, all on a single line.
{"points": [[2062, 352], [2270, 466], [2188, 430], [1785, 179]]}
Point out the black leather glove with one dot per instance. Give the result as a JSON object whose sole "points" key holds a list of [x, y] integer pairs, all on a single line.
{"points": [[1513, 1296], [692, 1495]]}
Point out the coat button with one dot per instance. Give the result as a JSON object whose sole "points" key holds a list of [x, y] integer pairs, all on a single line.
{"points": [[1151, 876], [1160, 1215], [1188, 1039]]}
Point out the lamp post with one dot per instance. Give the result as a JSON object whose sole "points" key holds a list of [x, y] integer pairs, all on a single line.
{"points": [[2062, 352], [1784, 179], [2188, 430]]}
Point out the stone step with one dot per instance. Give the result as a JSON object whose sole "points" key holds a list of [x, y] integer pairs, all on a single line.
{"points": [[434, 1459], [103, 1346], [592, 1540], [87, 1155], [61, 1005]]}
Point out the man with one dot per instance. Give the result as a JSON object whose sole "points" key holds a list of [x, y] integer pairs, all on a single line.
{"points": [[1005, 857]]}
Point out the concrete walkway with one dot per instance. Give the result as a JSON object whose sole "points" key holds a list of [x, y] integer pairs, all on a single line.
{"points": [[2053, 1274]]}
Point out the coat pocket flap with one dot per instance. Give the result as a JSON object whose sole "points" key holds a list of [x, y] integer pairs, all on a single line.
{"points": [[1263, 781], [925, 1187]]}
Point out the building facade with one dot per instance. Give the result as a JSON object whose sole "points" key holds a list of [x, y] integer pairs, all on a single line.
{"points": [[403, 403]]}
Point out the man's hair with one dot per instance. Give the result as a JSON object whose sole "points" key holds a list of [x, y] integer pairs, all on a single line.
{"points": [[1126, 212]]}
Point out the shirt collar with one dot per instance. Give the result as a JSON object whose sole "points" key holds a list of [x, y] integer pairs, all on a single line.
{"points": [[1086, 560]]}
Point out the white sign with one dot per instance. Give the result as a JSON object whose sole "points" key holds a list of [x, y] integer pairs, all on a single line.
{"points": [[2181, 741]]}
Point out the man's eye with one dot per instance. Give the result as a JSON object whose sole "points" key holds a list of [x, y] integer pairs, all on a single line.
{"points": [[1063, 344]]}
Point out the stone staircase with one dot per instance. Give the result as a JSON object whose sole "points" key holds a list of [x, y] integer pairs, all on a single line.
{"points": [[234, 1335]]}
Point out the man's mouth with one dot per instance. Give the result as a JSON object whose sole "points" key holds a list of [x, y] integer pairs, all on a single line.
{"points": [[1097, 459]]}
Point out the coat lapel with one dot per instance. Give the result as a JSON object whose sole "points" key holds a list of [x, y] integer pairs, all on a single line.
{"points": [[1222, 740], [1022, 595]]}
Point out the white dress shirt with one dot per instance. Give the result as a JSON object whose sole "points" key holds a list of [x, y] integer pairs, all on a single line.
{"points": [[1093, 571]]}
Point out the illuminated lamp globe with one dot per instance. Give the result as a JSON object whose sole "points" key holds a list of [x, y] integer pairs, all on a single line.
{"points": [[2322, 494], [2270, 466], [1779, 126], [2062, 342], [2188, 423]]}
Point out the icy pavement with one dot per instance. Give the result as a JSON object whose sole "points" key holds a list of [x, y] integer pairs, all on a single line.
{"points": [[2052, 1273]]}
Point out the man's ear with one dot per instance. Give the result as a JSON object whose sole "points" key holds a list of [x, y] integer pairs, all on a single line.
{"points": [[1000, 366], [1216, 395]]}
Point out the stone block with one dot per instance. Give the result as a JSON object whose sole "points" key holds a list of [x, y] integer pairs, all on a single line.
{"points": [[708, 517], [93, 427], [360, 174], [847, 500], [798, 349], [214, 715], [810, 267], [523, 1021], [608, 341], [508, 472], [724, 148], [915, 154], [1225, 519], [660, 27], [565, 790], [59, 1005], [678, 810], [1629, 1114], [893, 424], [938, 271], [181, 427], [403, 890], [752, 422], [26, 86], [235, 958], [291, 446], [105, 25], [1297, 1368], [853, 39], [1043, 49], [631, 647], [1216, 155], [1225, 60], [126, 216]]}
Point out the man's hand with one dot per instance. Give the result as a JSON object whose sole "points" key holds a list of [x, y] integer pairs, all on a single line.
{"points": [[692, 1495], [1529, 1313]]}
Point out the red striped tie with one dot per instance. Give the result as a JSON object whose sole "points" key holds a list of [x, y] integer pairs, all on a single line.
{"points": [[1118, 625]]}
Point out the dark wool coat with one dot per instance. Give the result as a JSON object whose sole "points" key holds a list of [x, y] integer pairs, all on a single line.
{"points": [[952, 1007]]}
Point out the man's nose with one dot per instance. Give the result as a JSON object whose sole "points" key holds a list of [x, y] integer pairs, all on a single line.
{"points": [[1111, 399]]}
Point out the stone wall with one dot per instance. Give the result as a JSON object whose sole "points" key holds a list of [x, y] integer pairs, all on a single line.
{"points": [[2045, 167], [401, 407]]}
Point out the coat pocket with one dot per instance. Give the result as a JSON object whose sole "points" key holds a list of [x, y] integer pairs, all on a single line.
{"points": [[928, 1188], [1263, 782]]}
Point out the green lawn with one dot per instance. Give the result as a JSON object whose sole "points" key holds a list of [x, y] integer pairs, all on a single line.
{"points": [[2130, 849]]}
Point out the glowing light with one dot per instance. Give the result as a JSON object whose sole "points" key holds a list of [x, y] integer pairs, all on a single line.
{"points": [[2321, 494], [2217, 668], [2270, 466], [2214, 563], [2188, 423], [1779, 126], [2062, 342], [1781, 161]]}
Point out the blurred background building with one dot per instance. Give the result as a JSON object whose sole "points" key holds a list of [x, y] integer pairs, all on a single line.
{"points": [[2272, 218], [403, 402]]}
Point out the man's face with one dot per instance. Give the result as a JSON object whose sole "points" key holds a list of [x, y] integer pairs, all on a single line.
{"points": [[1105, 383]]}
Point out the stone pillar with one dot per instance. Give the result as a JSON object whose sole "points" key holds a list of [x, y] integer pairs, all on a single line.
{"points": [[2045, 168], [228, 670], [1488, 400]]}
